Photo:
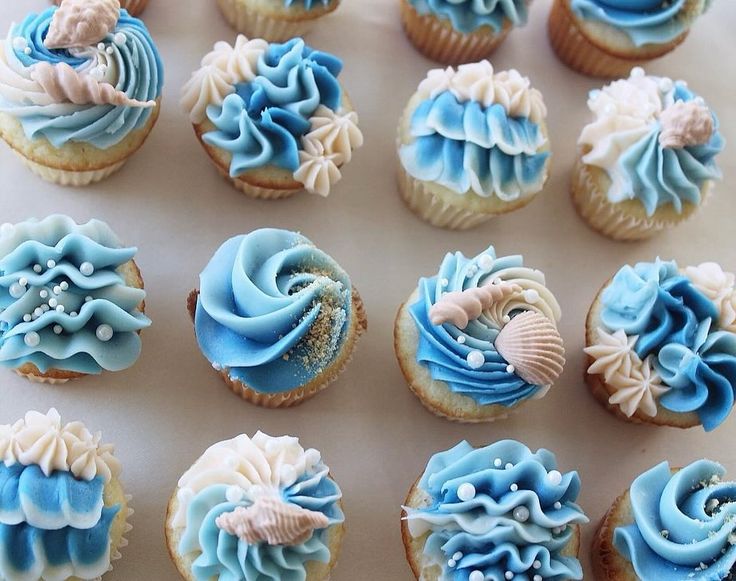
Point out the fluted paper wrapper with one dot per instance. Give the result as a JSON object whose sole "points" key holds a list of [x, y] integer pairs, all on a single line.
{"points": [[40, 379], [256, 25], [70, 178], [258, 192]]}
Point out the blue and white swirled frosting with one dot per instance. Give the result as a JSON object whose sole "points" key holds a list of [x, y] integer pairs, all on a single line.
{"points": [[684, 524], [497, 512], [64, 300], [275, 105], [467, 16], [461, 337], [54, 523], [668, 337], [656, 140], [273, 310], [473, 130], [643, 21], [89, 88], [256, 509]]}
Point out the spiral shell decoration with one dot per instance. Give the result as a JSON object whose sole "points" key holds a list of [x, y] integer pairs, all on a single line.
{"points": [[273, 521], [685, 123], [461, 307], [134, 7], [531, 343], [63, 84], [79, 23]]}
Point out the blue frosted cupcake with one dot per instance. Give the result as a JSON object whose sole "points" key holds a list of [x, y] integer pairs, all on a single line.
{"points": [[672, 524], [71, 300], [276, 317], [497, 512]]}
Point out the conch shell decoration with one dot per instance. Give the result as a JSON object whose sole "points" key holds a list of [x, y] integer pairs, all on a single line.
{"points": [[79, 23], [685, 123], [273, 521], [531, 343], [461, 307]]}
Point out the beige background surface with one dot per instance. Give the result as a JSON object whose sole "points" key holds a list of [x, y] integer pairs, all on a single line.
{"points": [[373, 433]]}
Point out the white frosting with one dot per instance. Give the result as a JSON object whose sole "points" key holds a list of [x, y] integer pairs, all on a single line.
{"points": [[719, 287], [318, 170], [337, 132], [614, 353], [251, 466]]}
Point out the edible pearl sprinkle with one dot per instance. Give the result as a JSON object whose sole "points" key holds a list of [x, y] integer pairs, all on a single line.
{"points": [[87, 299], [451, 563], [510, 369], [558, 505], [109, 50], [119, 39], [58, 329], [485, 262], [521, 514], [27, 50], [497, 462], [57, 290], [32, 339], [27, 318], [38, 311], [43, 294], [234, 494], [457, 556], [461, 340], [537, 578], [59, 308], [16, 290], [23, 281], [444, 282], [537, 565], [508, 575], [101, 46], [37, 268], [637, 72], [531, 296], [476, 576], [554, 477], [514, 487], [53, 303], [104, 332], [509, 466], [476, 359], [51, 263], [466, 491], [64, 285], [506, 319], [86, 268]]}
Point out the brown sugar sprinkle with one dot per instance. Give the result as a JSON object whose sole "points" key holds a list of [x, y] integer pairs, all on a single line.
{"points": [[321, 341]]}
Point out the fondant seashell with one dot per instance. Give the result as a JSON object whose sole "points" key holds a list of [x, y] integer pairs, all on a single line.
{"points": [[79, 23], [273, 521], [134, 7], [461, 307], [685, 124], [531, 343]]}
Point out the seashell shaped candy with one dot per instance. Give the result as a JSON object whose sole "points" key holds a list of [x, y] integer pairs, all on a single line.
{"points": [[271, 520], [685, 123], [134, 7], [531, 343], [79, 23], [461, 307]]}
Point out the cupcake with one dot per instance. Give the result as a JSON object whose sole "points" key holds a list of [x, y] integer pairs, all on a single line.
{"points": [[134, 7], [460, 31], [273, 118], [497, 512], [671, 524], [479, 339], [276, 317], [71, 300], [606, 38], [256, 508], [647, 161], [63, 511], [472, 144], [80, 89], [661, 344]]}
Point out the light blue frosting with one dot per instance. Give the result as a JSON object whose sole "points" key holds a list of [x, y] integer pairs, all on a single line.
{"points": [[262, 123], [445, 357], [225, 557], [643, 21], [698, 512], [467, 16], [484, 529], [141, 78], [677, 324], [465, 145], [25, 253], [261, 295]]}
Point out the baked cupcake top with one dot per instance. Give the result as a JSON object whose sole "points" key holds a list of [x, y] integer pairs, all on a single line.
{"points": [[684, 524], [65, 301], [275, 106], [643, 21], [487, 328], [273, 310], [467, 16], [497, 512], [474, 130], [84, 72], [668, 338], [256, 508], [655, 139], [54, 522]]}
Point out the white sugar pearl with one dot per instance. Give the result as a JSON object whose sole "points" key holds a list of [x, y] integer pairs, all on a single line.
{"points": [[27, 318], [510, 369], [87, 299], [45, 308], [508, 575], [666, 85], [27, 50], [457, 556], [234, 494], [64, 285], [59, 308], [451, 563], [101, 46], [58, 329], [637, 72], [444, 282], [476, 359], [521, 514], [514, 487], [104, 332], [537, 578], [119, 39], [461, 339], [73, 314], [32, 339], [50, 263], [53, 303], [466, 491], [509, 466], [554, 477], [109, 50], [287, 475], [43, 294], [38, 311], [485, 262], [506, 319], [558, 505], [23, 281], [476, 576], [537, 565], [57, 290], [531, 296], [86, 268], [16, 290], [37, 268], [497, 462]]}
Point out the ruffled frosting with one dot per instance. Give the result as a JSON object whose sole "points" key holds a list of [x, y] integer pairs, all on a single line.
{"points": [[237, 473], [476, 131], [273, 310], [497, 510], [684, 524], [64, 303], [467, 360], [126, 64], [467, 16], [644, 22], [652, 139]]}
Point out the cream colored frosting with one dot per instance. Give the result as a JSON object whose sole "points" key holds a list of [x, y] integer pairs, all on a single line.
{"points": [[612, 354], [720, 287], [685, 124], [82, 23], [240, 60], [319, 169], [461, 307], [337, 132]]}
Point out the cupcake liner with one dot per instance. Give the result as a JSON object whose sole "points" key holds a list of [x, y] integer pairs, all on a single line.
{"points": [[255, 24], [582, 54], [437, 40], [258, 192], [70, 178], [611, 219], [41, 379]]}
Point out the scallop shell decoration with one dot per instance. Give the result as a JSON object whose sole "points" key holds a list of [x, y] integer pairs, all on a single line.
{"points": [[80, 23], [272, 521], [531, 343]]}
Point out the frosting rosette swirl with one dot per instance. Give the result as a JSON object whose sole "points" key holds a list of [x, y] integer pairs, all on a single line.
{"points": [[467, 16], [497, 512], [65, 299], [684, 524], [273, 310], [467, 359]]}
